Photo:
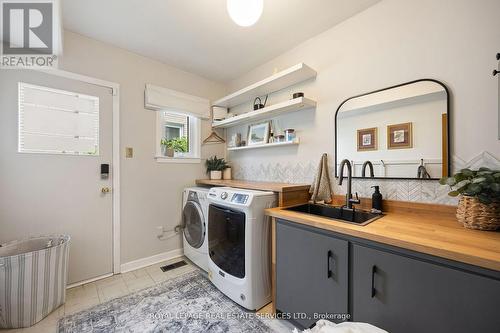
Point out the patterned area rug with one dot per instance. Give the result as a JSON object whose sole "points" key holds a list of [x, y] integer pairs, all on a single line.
{"points": [[188, 303]]}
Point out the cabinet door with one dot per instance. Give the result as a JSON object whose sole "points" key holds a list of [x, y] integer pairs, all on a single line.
{"points": [[311, 273], [401, 294]]}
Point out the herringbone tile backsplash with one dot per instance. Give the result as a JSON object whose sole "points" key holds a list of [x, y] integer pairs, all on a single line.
{"points": [[403, 190]]}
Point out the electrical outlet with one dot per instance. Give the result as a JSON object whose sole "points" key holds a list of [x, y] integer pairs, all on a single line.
{"points": [[160, 232]]}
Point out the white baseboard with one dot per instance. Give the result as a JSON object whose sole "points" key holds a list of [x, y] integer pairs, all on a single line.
{"points": [[157, 258]]}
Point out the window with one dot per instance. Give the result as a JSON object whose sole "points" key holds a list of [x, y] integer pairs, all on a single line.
{"points": [[55, 121], [173, 131], [179, 132]]}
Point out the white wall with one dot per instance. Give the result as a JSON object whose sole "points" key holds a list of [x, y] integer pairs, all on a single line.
{"points": [[394, 41], [150, 191]]}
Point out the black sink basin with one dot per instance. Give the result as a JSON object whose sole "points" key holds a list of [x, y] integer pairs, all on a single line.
{"points": [[359, 217]]}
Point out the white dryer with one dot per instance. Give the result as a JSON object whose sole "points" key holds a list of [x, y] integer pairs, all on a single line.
{"points": [[238, 244], [194, 221]]}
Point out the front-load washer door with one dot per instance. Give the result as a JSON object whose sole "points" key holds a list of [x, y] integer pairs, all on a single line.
{"points": [[194, 227], [226, 240]]}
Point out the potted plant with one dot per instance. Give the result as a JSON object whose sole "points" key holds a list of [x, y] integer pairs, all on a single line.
{"points": [[215, 166], [479, 205], [170, 147]]}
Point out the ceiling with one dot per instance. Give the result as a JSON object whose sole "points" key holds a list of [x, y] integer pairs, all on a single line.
{"points": [[198, 36]]}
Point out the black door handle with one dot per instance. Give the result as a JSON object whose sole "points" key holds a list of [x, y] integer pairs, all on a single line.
{"points": [[374, 270], [329, 271]]}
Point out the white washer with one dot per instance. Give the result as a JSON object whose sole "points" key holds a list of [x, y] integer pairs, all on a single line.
{"points": [[238, 244], [194, 221]]}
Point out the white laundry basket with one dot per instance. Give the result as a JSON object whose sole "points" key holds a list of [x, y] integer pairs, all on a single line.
{"points": [[33, 276]]}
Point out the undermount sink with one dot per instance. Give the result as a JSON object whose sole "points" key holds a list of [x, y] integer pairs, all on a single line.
{"points": [[358, 217]]}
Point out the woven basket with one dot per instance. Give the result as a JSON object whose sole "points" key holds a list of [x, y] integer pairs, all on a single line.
{"points": [[476, 215]]}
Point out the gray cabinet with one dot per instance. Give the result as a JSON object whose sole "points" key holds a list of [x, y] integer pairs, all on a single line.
{"points": [[311, 273], [403, 294]]}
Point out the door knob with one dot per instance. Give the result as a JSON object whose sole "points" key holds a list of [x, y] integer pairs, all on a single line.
{"points": [[105, 190]]}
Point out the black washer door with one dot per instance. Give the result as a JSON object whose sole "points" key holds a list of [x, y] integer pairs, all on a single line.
{"points": [[194, 228], [226, 240]]}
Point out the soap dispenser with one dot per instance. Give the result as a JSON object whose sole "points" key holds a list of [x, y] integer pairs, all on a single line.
{"points": [[376, 200]]}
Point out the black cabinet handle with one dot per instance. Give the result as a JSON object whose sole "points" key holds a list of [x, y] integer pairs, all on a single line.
{"points": [[329, 271], [374, 270]]}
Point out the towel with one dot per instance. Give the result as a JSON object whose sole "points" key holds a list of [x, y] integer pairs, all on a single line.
{"points": [[325, 326], [321, 188]]}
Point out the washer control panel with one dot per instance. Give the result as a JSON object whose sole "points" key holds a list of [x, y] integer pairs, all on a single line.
{"points": [[239, 198]]}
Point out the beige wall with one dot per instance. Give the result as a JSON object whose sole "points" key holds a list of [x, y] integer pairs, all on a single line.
{"points": [[394, 41], [150, 191]]}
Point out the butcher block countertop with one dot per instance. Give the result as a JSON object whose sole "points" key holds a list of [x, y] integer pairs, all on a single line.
{"points": [[426, 228], [288, 194], [249, 185]]}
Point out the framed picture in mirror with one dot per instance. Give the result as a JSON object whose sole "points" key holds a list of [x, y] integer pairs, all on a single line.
{"points": [[399, 136], [367, 139]]}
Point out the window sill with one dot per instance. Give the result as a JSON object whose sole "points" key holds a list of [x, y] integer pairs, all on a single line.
{"points": [[185, 160]]}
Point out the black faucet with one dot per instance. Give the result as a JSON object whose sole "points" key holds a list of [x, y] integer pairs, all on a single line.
{"points": [[349, 201]]}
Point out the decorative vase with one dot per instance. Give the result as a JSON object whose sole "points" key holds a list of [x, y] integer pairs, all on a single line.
{"points": [[227, 175], [215, 175], [475, 215]]}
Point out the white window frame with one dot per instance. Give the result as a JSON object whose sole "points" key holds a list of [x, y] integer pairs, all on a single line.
{"points": [[193, 156]]}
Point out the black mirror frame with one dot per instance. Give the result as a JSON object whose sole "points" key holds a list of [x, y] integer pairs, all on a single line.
{"points": [[448, 113]]}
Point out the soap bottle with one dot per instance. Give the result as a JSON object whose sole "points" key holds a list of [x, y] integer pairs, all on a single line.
{"points": [[376, 200]]}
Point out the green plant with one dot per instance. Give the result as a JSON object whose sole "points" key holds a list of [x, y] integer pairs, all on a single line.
{"points": [[179, 145], [484, 184], [216, 164]]}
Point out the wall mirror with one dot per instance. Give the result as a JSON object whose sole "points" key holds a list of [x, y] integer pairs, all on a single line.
{"points": [[400, 132]]}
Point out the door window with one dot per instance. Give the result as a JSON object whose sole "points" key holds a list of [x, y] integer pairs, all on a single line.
{"points": [[56, 121]]}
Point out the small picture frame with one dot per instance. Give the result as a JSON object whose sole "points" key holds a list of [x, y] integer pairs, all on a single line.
{"points": [[367, 139], [399, 136], [258, 134]]}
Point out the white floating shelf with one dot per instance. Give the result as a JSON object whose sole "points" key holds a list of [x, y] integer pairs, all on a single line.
{"points": [[267, 145], [273, 83], [295, 104]]}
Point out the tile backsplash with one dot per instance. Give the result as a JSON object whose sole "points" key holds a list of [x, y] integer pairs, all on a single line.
{"points": [[404, 190]]}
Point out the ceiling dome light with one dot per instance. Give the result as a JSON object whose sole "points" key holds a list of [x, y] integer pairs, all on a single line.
{"points": [[245, 12]]}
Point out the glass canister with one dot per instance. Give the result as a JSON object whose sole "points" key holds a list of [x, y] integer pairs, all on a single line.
{"points": [[290, 134], [279, 138]]}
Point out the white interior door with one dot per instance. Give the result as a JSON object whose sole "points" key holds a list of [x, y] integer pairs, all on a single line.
{"points": [[57, 193]]}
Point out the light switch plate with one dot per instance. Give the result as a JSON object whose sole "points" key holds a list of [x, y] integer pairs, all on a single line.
{"points": [[129, 152]]}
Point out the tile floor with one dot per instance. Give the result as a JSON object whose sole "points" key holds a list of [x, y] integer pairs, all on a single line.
{"points": [[85, 296]]}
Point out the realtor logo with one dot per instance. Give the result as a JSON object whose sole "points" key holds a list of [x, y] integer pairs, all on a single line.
{"points": [[27, 34]]}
